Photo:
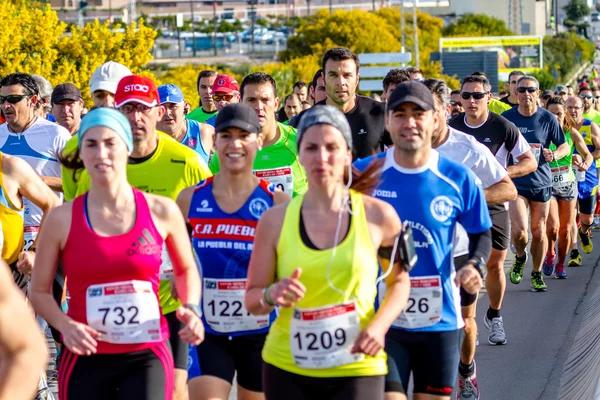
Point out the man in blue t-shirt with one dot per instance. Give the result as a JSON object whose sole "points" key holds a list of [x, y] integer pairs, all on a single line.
{"points": [[540, 128], [431, 195]]}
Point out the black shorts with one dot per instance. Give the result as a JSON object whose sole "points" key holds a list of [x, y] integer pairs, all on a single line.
{"points": [[222, 356], [283, 385], [539, 195], [466, 299], [587, 205], [140, 375], [432, 357], [500, 230], [179, 347]]}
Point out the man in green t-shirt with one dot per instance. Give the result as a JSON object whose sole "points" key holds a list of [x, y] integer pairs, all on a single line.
{"points": [[207, 108], [277, 162]]}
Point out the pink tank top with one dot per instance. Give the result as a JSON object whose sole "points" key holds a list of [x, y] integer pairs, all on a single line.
{"points": [[113, 281]]}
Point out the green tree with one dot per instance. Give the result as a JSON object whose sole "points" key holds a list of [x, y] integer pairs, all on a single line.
{"points": [[477, 25], [576, 10]]}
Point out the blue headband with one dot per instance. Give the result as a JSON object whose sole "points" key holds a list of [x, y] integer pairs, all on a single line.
{"points": [[109, 118]]}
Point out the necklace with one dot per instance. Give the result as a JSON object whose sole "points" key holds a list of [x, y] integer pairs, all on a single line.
{"points": [[27, 125]]}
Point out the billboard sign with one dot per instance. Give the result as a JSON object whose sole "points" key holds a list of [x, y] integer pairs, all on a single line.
{"points": [[522, 53]]}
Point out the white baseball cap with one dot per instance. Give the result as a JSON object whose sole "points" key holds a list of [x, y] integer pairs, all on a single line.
{"points": [[107, 77]]}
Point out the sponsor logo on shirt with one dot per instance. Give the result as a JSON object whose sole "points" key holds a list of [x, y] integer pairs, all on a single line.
{"points": [[265, 157], [178, 161], [385, 193], [441, 208], [223, 228], [487, 140], [204, 207], [191, 142], [362, 132], [257, 207], [145, 245], [418, 227]]}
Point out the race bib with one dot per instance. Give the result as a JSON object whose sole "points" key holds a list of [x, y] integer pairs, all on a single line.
{"points": [[424, 307], [223, 307], [124, 312], [536, 150], [282, 178], [166, 266], [323, 337], [561, 177], [29, 233]]}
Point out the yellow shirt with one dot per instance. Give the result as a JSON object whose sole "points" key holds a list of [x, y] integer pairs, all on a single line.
{"points": [[498, 107], [353, 271], [172, 168], [11, 218]]}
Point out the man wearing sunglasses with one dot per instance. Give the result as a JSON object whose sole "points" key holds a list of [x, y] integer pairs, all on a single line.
{"points": [[512, 99], [195, 135], [225, 90], [540, 128], [456, 106]]}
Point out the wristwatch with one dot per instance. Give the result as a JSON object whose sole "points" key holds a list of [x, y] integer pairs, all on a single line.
{"points": [[479, 266], [195, 309]]}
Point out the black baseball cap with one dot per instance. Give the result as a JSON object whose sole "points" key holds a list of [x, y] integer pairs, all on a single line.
{"points": [[237, 115], [65, 91], [411, 92]]}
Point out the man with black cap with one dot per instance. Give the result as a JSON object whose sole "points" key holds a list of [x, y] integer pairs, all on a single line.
{"points": [[67, 106], [431, 195]]}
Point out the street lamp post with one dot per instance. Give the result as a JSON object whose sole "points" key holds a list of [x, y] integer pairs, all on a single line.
{"points": [[215, 26], [416, 33], [193, 30]]}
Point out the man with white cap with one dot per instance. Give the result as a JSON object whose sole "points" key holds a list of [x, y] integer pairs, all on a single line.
{"points": [[104, 81], [197, 136]]}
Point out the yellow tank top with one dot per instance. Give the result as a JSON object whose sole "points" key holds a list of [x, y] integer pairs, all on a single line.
{"points": [[354, 271], [11, 218]]}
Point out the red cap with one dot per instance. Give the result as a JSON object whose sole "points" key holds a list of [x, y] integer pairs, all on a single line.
{"points": [[584, 86], [136, 88], [225, 84]]}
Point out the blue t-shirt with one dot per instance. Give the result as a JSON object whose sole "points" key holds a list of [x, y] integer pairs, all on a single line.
{"points": [[223, 244], [212, 121], [432, 200], [539, 130], [193, 139]]}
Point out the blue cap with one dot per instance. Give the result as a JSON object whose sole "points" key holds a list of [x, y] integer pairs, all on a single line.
{"points": [[170, 94], [109, 118]]}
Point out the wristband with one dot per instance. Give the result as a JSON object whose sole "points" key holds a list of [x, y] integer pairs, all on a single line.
{"points": [[266, 295]]}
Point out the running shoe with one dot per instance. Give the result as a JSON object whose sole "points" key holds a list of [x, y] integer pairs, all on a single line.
{"points": [[559, 272], [596, 221], [467, 386], [575, 258], [496, 327], [537, 282], [549, 264], [516, 272], [586, 244]]}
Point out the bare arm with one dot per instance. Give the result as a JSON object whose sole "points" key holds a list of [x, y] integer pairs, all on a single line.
{"points": [[527, 164], [582, 149], [23, 353], [501, 192], [54, 182], [207, 135], [595, 140]]}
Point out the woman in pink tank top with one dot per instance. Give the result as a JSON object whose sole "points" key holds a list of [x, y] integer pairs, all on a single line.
{"points": [[110, 242]]}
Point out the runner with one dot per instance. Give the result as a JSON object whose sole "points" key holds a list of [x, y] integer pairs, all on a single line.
{"points": [[235, 198], [116, 346], [495, 106], [540, 128], [67, 106], [43, 106], [561, 217], [546, 95], [225, 90], [562, 92], [207, 107], [195, 135], [300, 90], [277, 162], [498, 189], [456, 106], [316, 258], [319, 93], [104, 81], [415, 73], [588, 187], [292, 107], [23, 350], [159, 165], [392, 79], [425, 338], [513, 97], [365, 116], [504, 140]]}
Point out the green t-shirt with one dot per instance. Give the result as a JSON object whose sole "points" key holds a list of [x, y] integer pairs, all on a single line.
{"points": [[558, 167], [200, 115], [278, 163], [498, 107], [593, 116]]}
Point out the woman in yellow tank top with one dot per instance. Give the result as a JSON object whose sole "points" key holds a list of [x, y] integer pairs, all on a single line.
{"points": [[316, 258]]}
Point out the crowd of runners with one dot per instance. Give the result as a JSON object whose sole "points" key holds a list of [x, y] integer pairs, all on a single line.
{"points": [[318, 244]]}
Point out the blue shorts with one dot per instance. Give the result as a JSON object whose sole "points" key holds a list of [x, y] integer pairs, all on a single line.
{"points": [[538, 195]]}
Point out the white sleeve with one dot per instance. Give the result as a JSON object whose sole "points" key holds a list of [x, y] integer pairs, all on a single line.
{"points": [[521, 147], [487, 168]]}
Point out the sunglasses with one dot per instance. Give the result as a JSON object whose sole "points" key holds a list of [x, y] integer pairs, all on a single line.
{"points": [[527, 89], [129, 108], [546, 97], [224, 97], [13, 98], [475, 95], [586, 96], [455, 103]]}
